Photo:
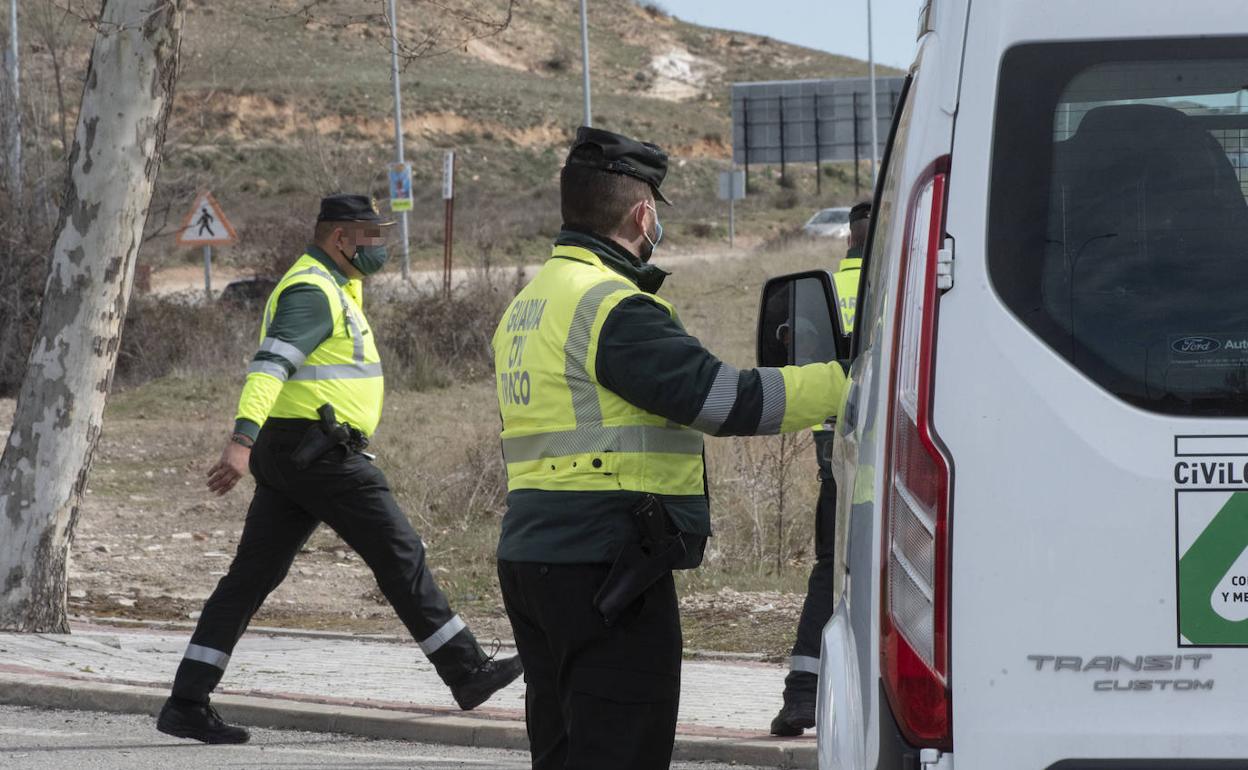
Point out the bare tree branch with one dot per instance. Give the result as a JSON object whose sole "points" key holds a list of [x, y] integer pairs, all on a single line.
{"points": [[435, 42], [89, 14]]}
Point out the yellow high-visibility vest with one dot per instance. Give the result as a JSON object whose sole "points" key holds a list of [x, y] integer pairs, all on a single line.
{"points": [[562, 431], [845, 281], [344, 370]]}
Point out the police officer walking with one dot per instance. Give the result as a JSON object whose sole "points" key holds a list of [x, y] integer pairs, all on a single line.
{"points": [[801, 685], [312, 398], [604, 399]]}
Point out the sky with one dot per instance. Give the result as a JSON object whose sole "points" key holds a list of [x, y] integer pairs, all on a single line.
{"points": [[838, 26]]}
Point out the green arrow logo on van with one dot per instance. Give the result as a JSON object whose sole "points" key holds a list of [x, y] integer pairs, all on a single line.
{"points": [[1213, 579]]}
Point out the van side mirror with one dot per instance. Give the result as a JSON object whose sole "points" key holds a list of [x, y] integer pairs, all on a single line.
{"points": [[798, 322]]}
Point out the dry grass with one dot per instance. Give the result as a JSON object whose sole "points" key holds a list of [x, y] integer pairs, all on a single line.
{"points": [[439, 449]]}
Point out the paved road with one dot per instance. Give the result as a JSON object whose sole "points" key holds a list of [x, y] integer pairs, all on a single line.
{"points": [[35, 739], [189, 280]]}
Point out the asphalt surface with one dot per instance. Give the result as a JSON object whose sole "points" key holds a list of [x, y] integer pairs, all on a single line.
{"points": [[37, 738]]}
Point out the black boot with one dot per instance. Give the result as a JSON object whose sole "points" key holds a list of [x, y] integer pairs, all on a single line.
{"points": [[187, 719], [485, 680], [796, 716]]}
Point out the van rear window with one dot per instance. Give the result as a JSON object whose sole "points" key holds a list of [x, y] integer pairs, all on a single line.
{"points": [[1118, 222]]}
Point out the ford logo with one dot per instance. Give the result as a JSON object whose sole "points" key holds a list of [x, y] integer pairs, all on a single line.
{"points": [[1195, 345]]}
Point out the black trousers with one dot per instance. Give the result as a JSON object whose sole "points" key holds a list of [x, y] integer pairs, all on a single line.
{"points": [[346, 491], [598, 698], [803, 679]]}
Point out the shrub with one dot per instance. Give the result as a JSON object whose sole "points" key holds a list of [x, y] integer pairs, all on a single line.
{"points": [[174, 335], [787, 199], [701, 229], [559, 61], [432, 340], [425, 340], [24, 249]]}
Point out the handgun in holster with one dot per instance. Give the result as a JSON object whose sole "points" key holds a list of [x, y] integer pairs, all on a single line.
{"points": [[324, 436], [642, 563]]}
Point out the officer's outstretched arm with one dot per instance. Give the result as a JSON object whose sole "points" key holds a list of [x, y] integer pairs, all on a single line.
{"points": [[647, 358]]}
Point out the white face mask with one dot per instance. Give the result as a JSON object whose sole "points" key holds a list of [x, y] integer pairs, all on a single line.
{"points": [[658, 234]]}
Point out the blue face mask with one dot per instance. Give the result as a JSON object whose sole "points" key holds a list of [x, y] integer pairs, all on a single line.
{"points": [[369, 259], [658, 235]]}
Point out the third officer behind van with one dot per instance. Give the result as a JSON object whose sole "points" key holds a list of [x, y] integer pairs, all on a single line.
{"points": [[845, 279], [800, 686], [604, 399]]}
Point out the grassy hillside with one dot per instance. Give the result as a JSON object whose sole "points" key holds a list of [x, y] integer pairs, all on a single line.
{"points": [[276, 107]]}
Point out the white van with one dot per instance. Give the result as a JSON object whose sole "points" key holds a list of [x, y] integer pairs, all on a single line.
{"points": [[1043, 457]]}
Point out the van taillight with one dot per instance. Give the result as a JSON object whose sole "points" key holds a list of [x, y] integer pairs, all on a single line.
{"points": [[914, 633]]}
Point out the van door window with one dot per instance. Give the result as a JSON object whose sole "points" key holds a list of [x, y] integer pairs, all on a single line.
{"points": [[882, 241], [1118, 225]]}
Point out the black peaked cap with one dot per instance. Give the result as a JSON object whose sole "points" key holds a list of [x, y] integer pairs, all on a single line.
{"points": [[342, 207], [616, 153], [860, 211]]}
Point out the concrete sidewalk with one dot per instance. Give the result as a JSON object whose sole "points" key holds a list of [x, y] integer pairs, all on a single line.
{"points": [[368, 687]]}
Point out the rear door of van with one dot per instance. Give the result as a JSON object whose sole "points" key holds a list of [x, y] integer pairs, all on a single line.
{"points": [[875, 703], [1091, 387]]}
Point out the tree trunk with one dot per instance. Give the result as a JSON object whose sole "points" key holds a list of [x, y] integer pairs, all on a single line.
{"points": [[112, 170]]}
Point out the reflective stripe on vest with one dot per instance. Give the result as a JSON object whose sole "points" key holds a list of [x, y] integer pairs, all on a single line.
{"points": [[284, 349], [584, 393], [602, 438], [337, 372]]}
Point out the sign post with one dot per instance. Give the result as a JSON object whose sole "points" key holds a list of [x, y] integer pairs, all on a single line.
{"points": [[11, 56], [206, 225], [732, 189], [875, 121], [448, 195], [589, 115], [398, 142]]}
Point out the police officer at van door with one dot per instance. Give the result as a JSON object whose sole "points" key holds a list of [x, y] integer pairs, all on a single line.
{"points": [[801, 685], [845, 279], [312, 399], [604, 399]]}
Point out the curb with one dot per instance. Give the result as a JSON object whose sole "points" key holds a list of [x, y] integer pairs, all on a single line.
{"points": [[284, 714], [104, 621]]}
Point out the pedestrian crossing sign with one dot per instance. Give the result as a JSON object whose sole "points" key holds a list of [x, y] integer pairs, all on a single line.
{"points": [[206, 225]]}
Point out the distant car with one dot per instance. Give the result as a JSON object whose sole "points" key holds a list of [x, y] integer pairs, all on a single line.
{"points": [[248, 292], [829, 223]]}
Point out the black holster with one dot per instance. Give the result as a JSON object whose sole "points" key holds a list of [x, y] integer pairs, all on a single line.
{"points": [[324, 436], [641, 564]]}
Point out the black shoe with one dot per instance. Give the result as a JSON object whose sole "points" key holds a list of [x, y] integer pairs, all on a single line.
{"points": [[186, 719], [794, 718], [487, 679]]}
